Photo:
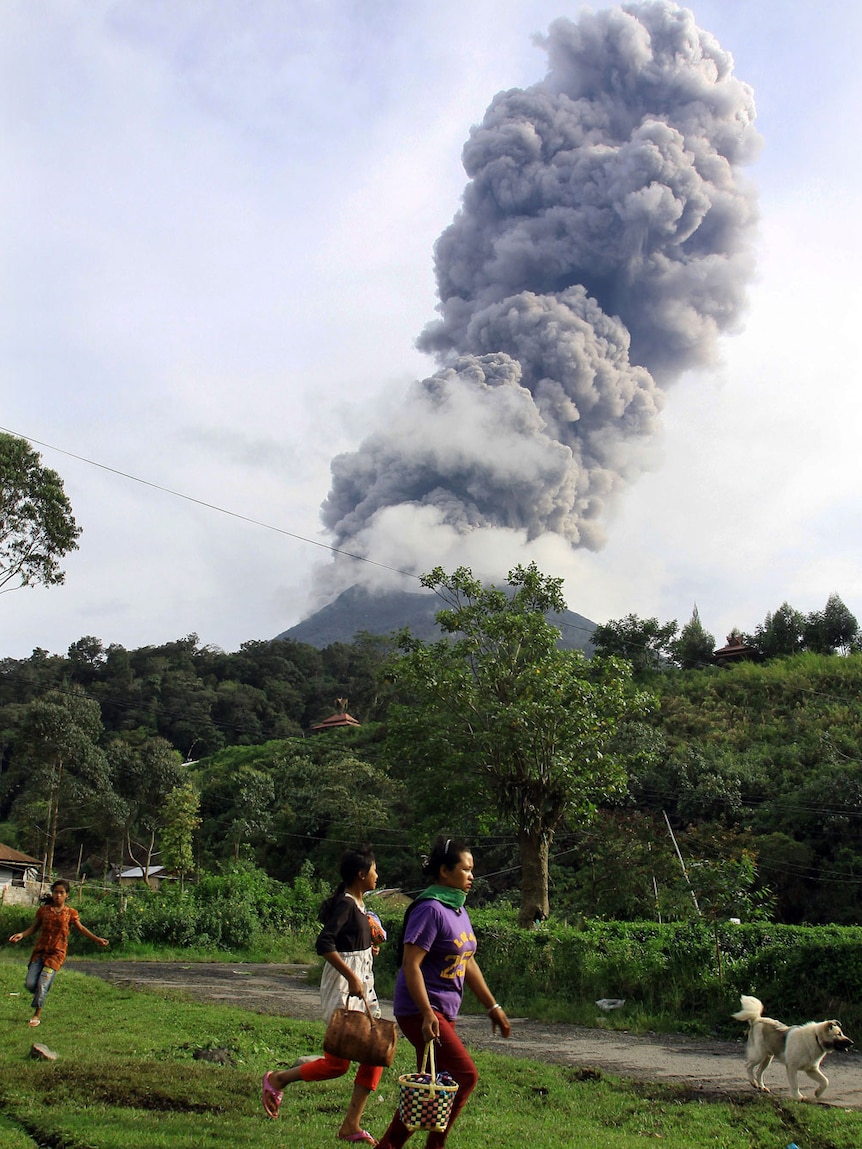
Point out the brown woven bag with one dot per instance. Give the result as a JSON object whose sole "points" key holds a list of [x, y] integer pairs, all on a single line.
{"points": [[356, 1035]]}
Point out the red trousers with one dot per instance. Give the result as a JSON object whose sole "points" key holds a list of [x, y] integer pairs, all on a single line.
{"points": [[327, 1067], [450, 1054]]}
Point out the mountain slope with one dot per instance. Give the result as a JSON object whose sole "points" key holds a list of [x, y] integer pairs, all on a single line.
{"points": [[357, 609]]}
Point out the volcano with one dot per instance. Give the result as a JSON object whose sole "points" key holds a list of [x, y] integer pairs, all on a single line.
{"points": [[358, 610]]}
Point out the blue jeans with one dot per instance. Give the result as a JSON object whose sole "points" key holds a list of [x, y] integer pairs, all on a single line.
{"points": [[38, 981]]}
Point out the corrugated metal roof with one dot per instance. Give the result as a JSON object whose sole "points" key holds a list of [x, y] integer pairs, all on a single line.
{"points": [[7, 854]]}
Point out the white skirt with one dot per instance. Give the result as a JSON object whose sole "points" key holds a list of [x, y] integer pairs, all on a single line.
{"points": [[333, 987]]}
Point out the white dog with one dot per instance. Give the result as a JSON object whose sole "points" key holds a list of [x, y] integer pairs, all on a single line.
{"points": [[800, 1047]]}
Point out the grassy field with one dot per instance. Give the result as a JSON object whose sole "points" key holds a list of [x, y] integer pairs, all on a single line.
{"points": [[126, 1076]]}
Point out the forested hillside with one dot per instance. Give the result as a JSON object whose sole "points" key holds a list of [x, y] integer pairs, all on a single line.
{"points": [[757, 771], [200, 698], [749, 777]]}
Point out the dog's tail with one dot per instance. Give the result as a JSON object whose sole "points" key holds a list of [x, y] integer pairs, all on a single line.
{"points": [[752, 1009]]}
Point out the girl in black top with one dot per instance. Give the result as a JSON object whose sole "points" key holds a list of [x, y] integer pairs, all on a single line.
{"points": [[346, 945]]}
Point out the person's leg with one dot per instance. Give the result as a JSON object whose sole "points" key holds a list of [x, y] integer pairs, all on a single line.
{"points": [[398, 1134], [39, 978], [31, 979], [451, 1055], [367, 1080], [321, 1069]]}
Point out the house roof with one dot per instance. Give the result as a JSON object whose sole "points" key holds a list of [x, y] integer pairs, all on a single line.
{"points": [[138, 872], [735, 648], [7, 854], [335, 721]]}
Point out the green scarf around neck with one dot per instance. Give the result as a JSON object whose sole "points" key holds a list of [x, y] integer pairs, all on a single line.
{"points": [[450, 897]]}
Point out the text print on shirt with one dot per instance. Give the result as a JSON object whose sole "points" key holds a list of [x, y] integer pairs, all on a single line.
{"points": [[456, 964]]}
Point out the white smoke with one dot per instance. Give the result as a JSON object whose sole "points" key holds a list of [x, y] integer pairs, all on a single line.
{"points": [[603, 244]]}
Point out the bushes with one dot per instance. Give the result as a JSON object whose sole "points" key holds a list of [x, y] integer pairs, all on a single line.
{"points": [[239, 909], [668, 974]]}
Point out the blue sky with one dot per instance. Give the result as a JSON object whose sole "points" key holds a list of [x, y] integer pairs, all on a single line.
{"points": [[218, 252]]}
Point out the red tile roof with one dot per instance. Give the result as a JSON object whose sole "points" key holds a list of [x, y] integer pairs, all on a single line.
{"points": [[336, 720]]}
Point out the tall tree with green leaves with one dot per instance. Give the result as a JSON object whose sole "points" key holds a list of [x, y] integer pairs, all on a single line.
{"points": [[644, 642], [67, 772], [781, 633], [693, 649], [532, 722], [833, 628], [180, 819], [147, 768], [36, 523]]}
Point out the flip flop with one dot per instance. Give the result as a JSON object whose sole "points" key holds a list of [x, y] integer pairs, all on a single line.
{"points": [[363, 1137], [270, 1093], [35, 1021]]}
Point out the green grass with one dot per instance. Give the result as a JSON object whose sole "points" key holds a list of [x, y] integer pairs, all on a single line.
{"points": [[287, 949], [126, 1077]]}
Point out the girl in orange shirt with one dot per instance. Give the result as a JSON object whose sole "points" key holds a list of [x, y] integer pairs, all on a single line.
{"points": [[53, 921]]}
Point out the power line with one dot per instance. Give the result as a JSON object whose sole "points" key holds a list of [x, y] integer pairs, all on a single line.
{"points": [[238, 515], [210, 506]]}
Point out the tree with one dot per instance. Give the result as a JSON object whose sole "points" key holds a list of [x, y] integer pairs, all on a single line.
{"points": [[180, 818], [833, 628], [66, 765], [315, 794], [237, 805], [646, 643], [36, 523], [533, 720], [86, 659], [694, 647], [781, 633], [147, 769]]}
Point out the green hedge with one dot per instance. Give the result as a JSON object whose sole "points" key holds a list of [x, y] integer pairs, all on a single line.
{"points": [[235, 910], [667, 974]]}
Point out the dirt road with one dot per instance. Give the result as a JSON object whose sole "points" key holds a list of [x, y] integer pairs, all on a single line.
{"points": [[707, 1068]]}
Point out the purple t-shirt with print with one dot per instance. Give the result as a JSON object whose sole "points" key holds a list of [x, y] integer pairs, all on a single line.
{"points": [[447, 937]]}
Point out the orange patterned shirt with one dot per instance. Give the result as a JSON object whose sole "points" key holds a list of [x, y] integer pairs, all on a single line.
{"points": [[54, 935]]}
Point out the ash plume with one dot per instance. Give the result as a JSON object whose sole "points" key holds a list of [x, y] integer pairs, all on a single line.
{"points": [[602, 246]]}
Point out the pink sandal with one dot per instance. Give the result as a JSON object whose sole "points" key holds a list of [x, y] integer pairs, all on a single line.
{"points": [[272, 1095]]}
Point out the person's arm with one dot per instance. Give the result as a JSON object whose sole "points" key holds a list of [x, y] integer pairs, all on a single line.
{"points": [[477, 985], [25, 933], [411, 964], [83, 929], [354, 981]]}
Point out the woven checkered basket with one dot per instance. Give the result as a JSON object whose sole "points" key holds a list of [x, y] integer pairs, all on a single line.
{"points": [[423, 1101]]}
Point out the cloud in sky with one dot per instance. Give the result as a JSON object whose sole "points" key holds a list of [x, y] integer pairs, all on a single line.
{"points": [[218, 254]]}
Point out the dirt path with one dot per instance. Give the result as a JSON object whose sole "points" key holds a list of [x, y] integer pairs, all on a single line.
{"points": [[708, 1068]]}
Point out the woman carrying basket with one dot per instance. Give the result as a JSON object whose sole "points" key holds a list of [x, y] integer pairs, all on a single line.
{"points": [[439, 949], [347, 945]]}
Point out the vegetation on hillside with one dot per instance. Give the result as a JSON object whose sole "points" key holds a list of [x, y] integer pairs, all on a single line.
{"points": [[736, 793]]}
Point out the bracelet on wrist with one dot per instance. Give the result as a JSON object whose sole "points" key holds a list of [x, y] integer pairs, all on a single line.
{"points": [[493, 1007]]}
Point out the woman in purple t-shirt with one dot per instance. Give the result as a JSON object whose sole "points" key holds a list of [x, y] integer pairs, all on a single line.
{"points": [[439, 960]]}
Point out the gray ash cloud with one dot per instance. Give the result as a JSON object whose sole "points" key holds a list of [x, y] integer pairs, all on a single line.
{"points": [[602, 246]]}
